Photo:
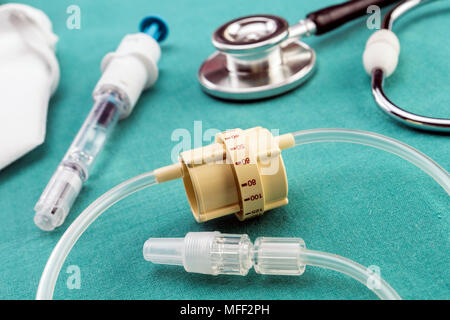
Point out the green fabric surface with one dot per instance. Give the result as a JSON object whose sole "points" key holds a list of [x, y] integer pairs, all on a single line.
{"points": [[358, 202]]}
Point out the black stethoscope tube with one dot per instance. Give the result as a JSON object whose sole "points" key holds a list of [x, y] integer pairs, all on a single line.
{"points": [[332, 17]]}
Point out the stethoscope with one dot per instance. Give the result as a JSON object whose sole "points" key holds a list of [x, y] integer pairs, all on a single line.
{"points": [[261, 56], [387, 66]]}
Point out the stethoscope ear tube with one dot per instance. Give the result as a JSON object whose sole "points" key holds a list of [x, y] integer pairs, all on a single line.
{"points": [[330, 18]]}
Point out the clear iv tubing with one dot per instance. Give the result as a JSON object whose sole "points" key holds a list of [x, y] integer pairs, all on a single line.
{"points": [[350, 268], [76, 229]]}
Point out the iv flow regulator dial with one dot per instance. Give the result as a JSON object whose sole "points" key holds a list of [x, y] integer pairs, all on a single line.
{"points": [[241, 173]]}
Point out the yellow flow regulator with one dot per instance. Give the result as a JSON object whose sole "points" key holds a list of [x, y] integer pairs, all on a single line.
{"points": [[241, 173]]}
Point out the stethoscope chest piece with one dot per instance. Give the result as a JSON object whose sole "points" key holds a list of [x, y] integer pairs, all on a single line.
{"points": [[255, 59]]}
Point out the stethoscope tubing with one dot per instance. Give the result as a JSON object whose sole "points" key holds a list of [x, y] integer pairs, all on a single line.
{"points": [[390, 108]]}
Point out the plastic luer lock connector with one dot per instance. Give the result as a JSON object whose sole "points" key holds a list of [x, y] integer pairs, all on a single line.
{"points": [[126, 73], [215, 253]]}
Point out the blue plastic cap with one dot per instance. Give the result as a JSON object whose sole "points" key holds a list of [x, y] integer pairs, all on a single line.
{"points": [[155, 27]]}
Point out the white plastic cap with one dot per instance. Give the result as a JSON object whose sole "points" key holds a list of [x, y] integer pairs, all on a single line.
{"points": [[131, 69], [382, 51]]}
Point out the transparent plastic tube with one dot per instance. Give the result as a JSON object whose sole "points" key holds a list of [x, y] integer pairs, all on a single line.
{"points": [[381, 142], [343, 265], [68, 240]]}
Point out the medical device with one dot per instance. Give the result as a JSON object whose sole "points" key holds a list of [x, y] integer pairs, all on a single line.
{"points": [[380, 60], [261, 56], [215, 253], [128, 71], [29, 76], [241, 173]]}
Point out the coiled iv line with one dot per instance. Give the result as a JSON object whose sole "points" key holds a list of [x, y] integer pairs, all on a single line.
{"points": [[89, 215]]}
